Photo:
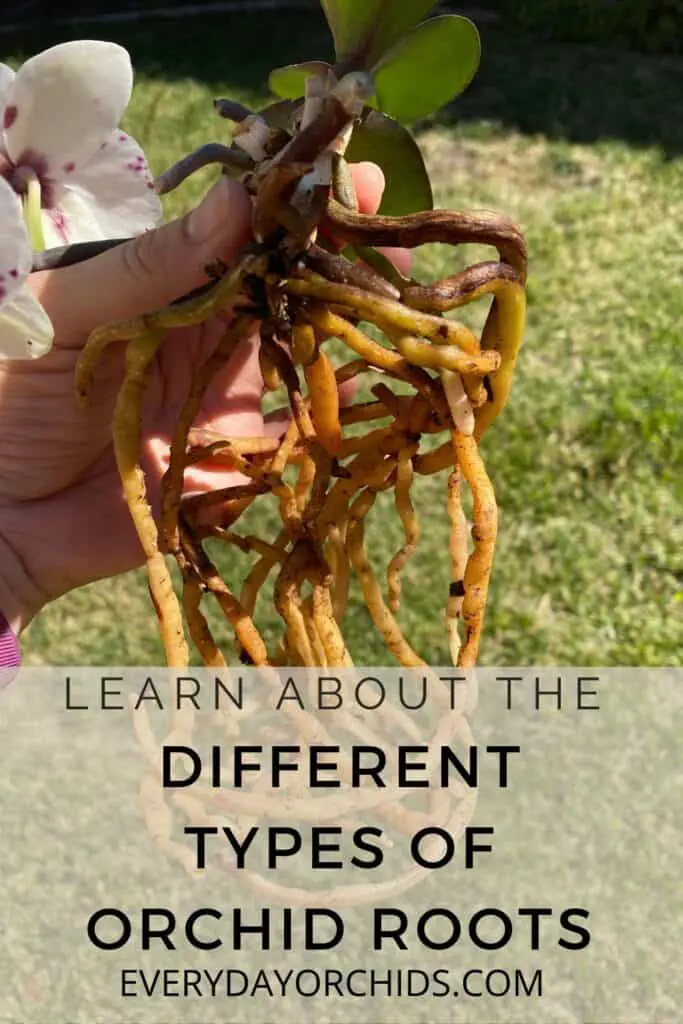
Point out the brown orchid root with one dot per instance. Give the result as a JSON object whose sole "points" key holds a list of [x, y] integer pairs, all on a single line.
{"points": [[433, 389]]}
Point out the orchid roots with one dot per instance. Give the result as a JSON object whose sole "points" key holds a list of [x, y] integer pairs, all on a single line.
{"points": [[431, 376]]}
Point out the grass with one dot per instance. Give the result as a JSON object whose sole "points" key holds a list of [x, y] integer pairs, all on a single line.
{"points": [[588, 458]]}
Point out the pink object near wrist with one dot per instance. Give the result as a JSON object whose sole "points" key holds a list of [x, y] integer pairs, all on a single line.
{"points": [[10, 656]]}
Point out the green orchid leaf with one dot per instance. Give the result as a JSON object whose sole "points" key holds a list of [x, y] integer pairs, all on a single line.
{"points": [[290, 82], [385, 142], [428, 68], [363, 30]]}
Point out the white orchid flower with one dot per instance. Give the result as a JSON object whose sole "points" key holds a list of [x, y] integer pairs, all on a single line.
{"points": [[76, 174]]}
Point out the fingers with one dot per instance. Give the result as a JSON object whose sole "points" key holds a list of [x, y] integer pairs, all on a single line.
{"points": [[401, 258], [148, 272], [232, 403], [369, 181]]}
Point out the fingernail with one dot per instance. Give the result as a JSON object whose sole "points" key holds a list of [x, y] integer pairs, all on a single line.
{"points": [[371, 171], [208, 220]]}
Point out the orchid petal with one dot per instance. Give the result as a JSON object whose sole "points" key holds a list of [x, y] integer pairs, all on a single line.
{"points": [[7, 77], [112, 196], [26, 331], [15, 248], [74, 220], [65, 102]]}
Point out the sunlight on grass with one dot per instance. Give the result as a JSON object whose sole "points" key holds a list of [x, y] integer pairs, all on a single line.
{"points": [[588, 458]]}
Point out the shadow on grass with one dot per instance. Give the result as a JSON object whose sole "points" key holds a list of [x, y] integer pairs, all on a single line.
{"points": [[576, 93], [573, 92]]}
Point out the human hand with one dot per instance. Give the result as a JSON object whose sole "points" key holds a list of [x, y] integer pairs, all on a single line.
{"points": [[63, 519]]}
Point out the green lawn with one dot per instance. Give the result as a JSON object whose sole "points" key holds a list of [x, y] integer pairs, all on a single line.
{"points": [[588, 458]]}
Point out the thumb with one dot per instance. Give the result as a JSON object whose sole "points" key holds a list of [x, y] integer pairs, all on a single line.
{"points": [[149, 271]]}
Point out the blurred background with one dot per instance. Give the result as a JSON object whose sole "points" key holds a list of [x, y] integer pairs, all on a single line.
{"points": [[649, 25], [573, 128]]}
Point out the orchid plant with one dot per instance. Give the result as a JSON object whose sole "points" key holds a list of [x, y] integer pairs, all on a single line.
{"points": [[67, 172]]}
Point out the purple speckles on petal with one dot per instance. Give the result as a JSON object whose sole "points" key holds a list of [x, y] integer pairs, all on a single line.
{"points": [[123, 138], [9, 117], [138, 165], [3, 292], [69, 168], [14, 273], [60, 225]]}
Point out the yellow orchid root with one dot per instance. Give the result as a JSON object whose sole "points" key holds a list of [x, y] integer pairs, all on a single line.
{"points": [[458, 549], [127, 438], [484, 532], [406, 510]]}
